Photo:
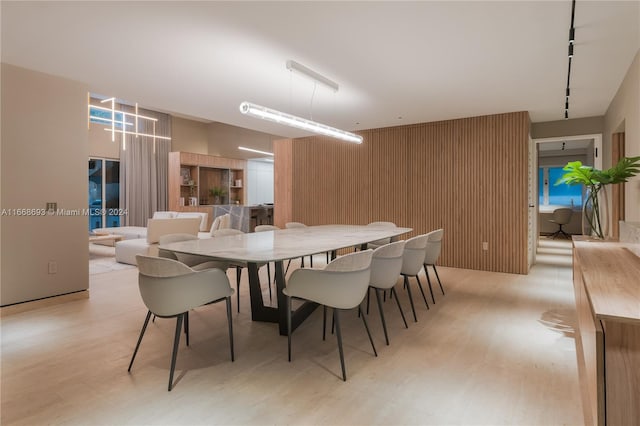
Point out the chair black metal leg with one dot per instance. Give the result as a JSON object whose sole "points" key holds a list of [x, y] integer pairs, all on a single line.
{"points": [[366, 326], [422, 291], [229, 320], [154, 318], [438, 277], [368, 296], [324, 322], [384, 324], [289, 326], [144, 327], [408, 287], [238, 277], [302, 262], [336, 318], [393, 293], [327, 253], [287, 270], [176, 341], [426, 273], [186, 326], [311, 261], [269, 277]]}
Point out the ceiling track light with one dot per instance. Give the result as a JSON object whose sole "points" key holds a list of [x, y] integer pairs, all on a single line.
{"points": [[298, 122], [572, 39]]}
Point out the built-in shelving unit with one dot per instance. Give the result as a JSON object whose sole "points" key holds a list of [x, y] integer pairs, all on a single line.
{"points": [[193, 176]]}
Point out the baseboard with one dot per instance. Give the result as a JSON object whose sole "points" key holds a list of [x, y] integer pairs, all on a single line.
{"points": [[42, 303]]}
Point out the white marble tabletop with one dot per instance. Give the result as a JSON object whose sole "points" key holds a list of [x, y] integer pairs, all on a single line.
{"points": [[284, 244]]}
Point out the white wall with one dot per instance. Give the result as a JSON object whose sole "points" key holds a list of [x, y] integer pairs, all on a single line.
{"points": [[44, 159], [259, 182]]}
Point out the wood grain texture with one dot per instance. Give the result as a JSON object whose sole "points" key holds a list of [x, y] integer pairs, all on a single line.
{"points": [[468, 176], [617, 191], [610, 274], [196, 161]]}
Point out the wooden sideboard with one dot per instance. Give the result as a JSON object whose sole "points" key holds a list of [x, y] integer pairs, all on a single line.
{"points": [[606, 279]]}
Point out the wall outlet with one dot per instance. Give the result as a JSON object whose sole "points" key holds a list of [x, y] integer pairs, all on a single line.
{"points": [[485, 245], [53, 267]]}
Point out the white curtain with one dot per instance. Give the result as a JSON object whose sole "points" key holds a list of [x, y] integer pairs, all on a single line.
{"points": [[143, 172]]}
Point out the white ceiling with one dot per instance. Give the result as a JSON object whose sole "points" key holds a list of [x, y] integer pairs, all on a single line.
{"points": [[421, 61]]}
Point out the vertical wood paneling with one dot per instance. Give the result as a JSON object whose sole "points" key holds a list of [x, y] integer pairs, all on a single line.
{"points": [[468, 176], [617, 191]]}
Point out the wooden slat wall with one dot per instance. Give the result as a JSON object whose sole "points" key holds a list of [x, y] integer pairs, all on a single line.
{"points": [[468, 176], [617, 191]]}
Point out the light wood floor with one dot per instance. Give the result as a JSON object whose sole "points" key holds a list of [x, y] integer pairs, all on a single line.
{"points": [[497, 349]]}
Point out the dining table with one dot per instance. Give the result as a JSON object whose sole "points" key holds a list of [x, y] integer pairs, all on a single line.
{"points": [[258, 248]]}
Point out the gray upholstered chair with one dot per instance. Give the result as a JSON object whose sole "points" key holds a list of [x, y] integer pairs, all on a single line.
{"points": [[342, 284], [412, 260], [170, 289], [431, 255], [561, 217], [386, 265]]}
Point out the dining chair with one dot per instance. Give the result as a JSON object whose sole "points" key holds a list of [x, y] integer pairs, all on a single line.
{"points": [[194, 261], [375, 244], [431, 255], [386, 264], [169, 289], [294, 225], [265, 228], [239, 265], [561, 217], [341, 285], [412, 260]]}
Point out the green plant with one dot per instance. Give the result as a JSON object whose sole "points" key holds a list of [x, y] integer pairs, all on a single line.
{"points": [[217, 191], [595, 180]]}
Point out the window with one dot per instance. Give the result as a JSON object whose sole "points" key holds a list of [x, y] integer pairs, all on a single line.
{"points": [[557, 195], [101, 115], [104, 193]]}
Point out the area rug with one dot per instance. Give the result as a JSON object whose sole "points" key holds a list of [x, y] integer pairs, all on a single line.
{"points": [[103, 259]]}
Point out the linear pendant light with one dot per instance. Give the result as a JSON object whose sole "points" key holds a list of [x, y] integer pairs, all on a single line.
{"points": [[298, 122]]}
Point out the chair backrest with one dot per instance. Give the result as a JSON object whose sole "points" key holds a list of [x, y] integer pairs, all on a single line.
{"points": [[562, 216], [342, 284], [386, 265], [263, 228], [290, 225], [413, 256], [434, 246], [159, 227], [203, 216], [222, 232], [173, 238], [169, 287], [220, 222], [382, 241]]}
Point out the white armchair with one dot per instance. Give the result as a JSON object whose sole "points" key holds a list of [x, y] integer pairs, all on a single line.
{"points": [[170, 289], [341, 285]]}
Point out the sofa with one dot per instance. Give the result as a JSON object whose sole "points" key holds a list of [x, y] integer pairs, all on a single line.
{"points": [[127, 249]]}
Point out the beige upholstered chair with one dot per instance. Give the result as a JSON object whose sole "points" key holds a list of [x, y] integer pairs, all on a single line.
{"points": [[192, 260], [561, 217], [386, 265], [170, 289], [375, 244], [341, 285], [294, 225], [412, 260], [431, 255]]}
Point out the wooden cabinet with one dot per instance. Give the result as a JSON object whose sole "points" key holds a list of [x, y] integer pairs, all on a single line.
{"points": [[193, 176], [606, 278]]}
